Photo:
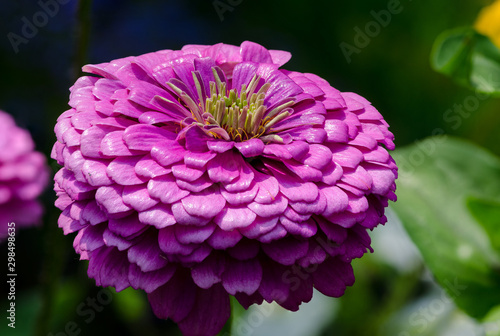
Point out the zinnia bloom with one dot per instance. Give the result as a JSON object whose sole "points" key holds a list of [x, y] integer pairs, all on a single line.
{"points": [[23, 176], [488, 22], [205, 172]]}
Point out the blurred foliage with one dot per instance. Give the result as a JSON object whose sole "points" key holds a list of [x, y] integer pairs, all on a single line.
{"points": [[435, 183], [443, 210], [469, 58]]}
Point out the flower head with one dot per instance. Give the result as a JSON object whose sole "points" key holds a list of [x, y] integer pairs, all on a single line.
{"points": [[23, 176], [205, 172], [488, 22]]}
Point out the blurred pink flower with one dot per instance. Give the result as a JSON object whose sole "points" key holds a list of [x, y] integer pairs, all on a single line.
{"points": [[205, 172], [24, 174]]}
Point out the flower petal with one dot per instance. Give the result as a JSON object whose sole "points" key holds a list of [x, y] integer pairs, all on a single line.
{"points": [[242, 276]]}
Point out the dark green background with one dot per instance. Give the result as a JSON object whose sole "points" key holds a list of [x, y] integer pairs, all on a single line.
{"points": [[392, 71]]}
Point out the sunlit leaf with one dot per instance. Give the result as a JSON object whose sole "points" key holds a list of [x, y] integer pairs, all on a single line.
{"points": [[469, 58], [487, 213]]}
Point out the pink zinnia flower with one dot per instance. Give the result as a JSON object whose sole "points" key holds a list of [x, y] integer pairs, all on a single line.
{"points": [[24, 174], [205, 172]]}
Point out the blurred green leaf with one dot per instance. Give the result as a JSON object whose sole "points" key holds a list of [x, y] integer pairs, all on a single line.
{"points": [[487, 213], [491, 323], [437, 176], [130, 303], [469, 58], [27, 306]]}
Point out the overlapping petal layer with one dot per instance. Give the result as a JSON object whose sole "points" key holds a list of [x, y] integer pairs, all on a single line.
{"points": [[208, 171]]}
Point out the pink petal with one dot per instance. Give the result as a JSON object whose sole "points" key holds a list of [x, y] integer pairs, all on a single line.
{"points": [[168, 243], [358, 178], [243, 181], [195, 186], [122, 171], [147, 254], [181, 171], [110, 198], [148, 167], [246, 249], [92, 213], [346, 156], [332, 173], [109, 267], [198, 160], [127, 227], [319, 156], [144, 137], [304, 229], [286, 251], [165, 189], [186, 234], [224, 168], [203, 320], [273, 287], [259, 227], [254, 52], [268, 210], [242, 197], [242, 276], [268, 188], [168, 152], [159, 216], [336, 131], [149, 281], [220, 146], [221, 240], [113, 145], [137, 197], [332, 277], [95, 172], [207, 203], [232, 218], [250, 148], [209, 271], [184, 218], [175, 299], [91, 237], [308, 208], [296, 190], [336, 200]]}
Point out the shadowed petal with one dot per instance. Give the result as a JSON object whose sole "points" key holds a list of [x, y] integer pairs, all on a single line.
{"points": [[242, 276], [175, 299], [149, 281], [203, 319]]}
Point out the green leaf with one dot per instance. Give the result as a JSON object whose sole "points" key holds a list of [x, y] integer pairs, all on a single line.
{"points": [[491, 323], [437, 176], [487, 213], [129, 303], [470, 58]]}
